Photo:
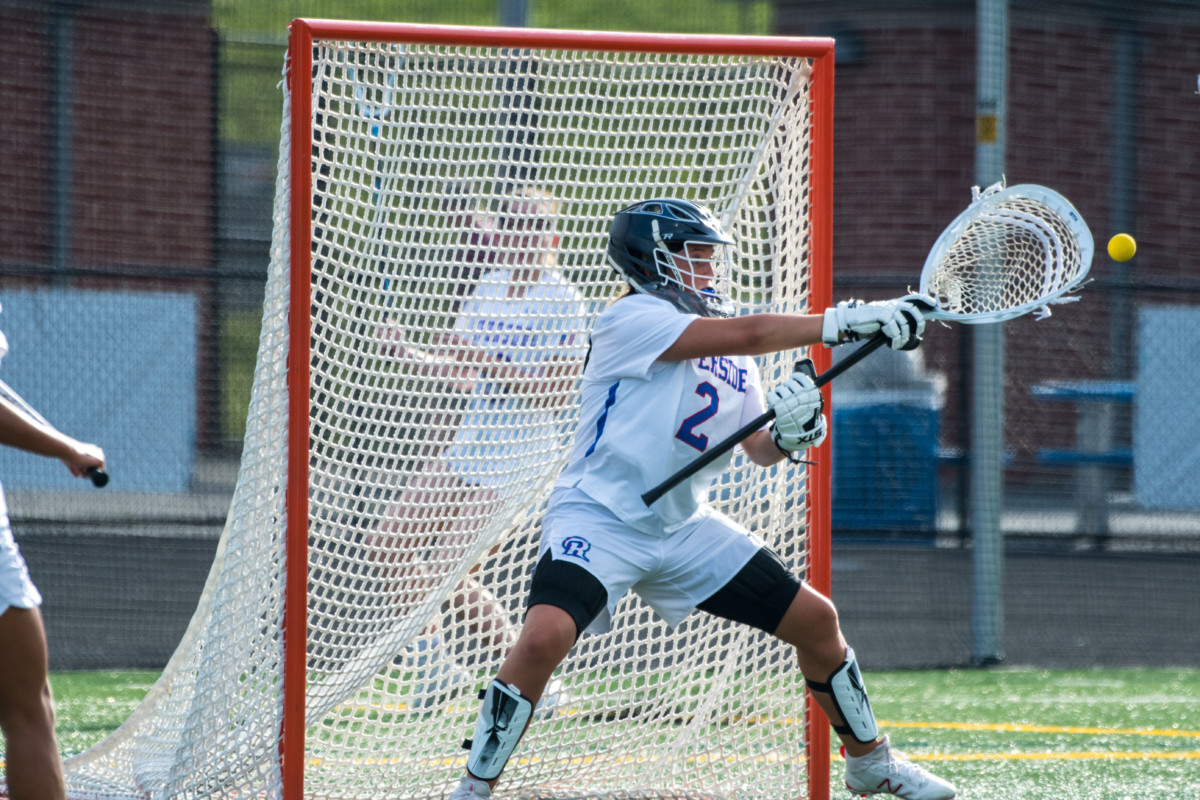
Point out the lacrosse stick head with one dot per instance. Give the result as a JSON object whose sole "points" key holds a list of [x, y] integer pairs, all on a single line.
{"points": [[1012, 251]]}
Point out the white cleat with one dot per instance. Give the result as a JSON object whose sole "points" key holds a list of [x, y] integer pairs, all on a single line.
{"points": [[888, 771], [470, 789]]}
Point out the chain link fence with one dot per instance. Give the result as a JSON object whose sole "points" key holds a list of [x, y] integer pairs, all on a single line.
{"points": [[134, 236]]}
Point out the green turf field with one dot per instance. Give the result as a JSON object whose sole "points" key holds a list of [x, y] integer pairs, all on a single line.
{"points": [[1016, 734]]}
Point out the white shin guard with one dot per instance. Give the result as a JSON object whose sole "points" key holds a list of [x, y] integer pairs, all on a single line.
{"points": [[502, 720], [849, 695]]}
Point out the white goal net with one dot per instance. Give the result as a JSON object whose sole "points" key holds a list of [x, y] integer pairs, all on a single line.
{"points": [[438, 283]]}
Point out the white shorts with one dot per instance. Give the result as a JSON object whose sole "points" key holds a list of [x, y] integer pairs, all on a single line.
{"points": [[672, 573], [16, 588]]}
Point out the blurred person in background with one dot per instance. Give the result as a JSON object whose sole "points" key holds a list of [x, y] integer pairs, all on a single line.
{"points": [[518, 336], [32, 762]]}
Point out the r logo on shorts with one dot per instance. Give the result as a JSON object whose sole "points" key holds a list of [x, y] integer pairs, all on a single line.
{"points": [[576, 547]]}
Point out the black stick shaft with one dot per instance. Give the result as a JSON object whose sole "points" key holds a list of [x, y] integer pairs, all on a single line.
{"points": [[725, 445]]}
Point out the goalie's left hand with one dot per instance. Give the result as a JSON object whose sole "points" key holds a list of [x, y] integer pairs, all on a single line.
{"points": [[799, 421]]}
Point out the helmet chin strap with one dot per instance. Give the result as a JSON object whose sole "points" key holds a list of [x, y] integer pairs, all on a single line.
{"points": [[669, 270], [661, 247], [656, 235]]}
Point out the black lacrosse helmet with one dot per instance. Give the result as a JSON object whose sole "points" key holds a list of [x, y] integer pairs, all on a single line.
{"points": [[645, 237]]}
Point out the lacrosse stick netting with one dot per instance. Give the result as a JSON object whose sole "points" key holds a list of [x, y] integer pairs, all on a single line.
{"points": [[1011, 251]]}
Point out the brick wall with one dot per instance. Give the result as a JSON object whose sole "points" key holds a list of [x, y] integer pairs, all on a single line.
{"points": [[140, 138]]}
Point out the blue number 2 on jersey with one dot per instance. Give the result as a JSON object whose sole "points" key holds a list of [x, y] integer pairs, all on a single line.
{"points": [[686, 432]]}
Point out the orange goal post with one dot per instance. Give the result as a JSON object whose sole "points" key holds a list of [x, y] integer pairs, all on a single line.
{"points": [[375, 561]]}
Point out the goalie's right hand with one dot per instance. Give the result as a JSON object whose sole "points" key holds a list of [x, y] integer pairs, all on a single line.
{"points": [[799, 423], [901, 321]]}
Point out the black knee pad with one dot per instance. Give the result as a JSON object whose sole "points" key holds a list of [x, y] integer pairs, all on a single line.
{"points": [[759, 595], [570, 587]]}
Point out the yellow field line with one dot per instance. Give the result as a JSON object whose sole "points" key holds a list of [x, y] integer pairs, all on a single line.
{"points": [[1011, 727], [460, 761], [1001, 727], [1095, 756]]}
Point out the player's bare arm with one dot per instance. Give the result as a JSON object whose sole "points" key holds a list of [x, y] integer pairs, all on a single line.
{"points": [[760, 449], [17, 430], [752, 335]]}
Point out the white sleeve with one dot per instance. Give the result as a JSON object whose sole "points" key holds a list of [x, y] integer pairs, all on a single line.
{"points": [[630, 336]]}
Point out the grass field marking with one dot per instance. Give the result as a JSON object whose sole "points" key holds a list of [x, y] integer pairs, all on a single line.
{"points": [[575, 761], [1085, 756], [579, 761], [1012, 727], [999, 727]]}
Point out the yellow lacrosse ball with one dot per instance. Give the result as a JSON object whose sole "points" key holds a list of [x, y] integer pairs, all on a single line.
{"points": [[1122, 247]]}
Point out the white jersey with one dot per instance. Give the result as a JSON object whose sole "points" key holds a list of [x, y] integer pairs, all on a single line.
{"points": [[643, 419], [16, 589], [500, 432]]}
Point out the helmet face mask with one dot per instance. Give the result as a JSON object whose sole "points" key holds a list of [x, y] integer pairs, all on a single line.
{"points": [[699, 267], [677, 250]]}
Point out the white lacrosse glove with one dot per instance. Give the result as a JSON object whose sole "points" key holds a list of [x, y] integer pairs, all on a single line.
{"points": [[901, 321], [799, 423]]}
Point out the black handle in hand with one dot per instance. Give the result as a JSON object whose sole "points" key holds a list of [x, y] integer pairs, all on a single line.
{"points": [[724, 446], [99, 477]]}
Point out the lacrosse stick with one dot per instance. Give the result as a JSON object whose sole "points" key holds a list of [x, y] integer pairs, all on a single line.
{"points": [[1012, 251], [98, 476]]}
